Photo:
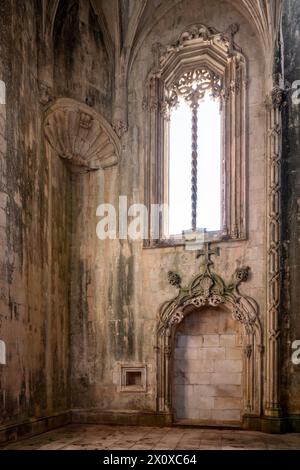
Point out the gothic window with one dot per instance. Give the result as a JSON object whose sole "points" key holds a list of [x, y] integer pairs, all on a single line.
{"points": [[194, 152], [195, 140]]}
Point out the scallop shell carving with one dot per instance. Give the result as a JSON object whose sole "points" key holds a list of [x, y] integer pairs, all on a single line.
{"points": [[81, 136]]}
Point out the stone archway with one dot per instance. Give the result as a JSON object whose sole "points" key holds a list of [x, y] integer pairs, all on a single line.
{"points": [[207, 289]]}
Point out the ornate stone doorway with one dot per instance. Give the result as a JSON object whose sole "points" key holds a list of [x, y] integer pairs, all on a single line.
{"points": [[208, 366], [208, 293]]}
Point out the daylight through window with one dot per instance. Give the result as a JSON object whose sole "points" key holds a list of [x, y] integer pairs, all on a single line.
{"points": [[195, 154]]}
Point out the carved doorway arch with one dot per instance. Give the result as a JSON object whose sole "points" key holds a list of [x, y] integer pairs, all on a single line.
{"points": [[209, 289]]}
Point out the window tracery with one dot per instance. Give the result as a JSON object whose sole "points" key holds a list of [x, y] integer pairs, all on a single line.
{"points": [[201, 61]]}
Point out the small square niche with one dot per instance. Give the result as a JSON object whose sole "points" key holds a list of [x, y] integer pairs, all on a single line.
{"points": [[133, 379]]}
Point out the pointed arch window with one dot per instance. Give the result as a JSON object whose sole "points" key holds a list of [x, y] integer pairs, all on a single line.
{"points": [[195, 139], [195, 152]]}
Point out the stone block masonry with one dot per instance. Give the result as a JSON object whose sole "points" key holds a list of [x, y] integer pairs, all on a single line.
{"points": [[208, 368]]}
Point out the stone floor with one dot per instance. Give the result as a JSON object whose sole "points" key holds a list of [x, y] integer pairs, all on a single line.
{"points": [[91, 437]]}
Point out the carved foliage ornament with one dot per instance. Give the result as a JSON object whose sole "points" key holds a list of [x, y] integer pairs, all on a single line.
{"points": [[200, 35], [209, 289], [80, 136], [207, 35]]}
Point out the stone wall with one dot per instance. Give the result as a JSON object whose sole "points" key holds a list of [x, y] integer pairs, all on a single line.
{"points": [[73, 308], [118, 286], [34, 236], [291, 206], [208, 367]]}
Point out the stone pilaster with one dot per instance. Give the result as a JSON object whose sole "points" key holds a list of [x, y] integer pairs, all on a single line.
{"points": [[274, 142]]}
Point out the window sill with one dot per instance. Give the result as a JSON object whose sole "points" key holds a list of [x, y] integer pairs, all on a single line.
{"points": [[209, 237]]}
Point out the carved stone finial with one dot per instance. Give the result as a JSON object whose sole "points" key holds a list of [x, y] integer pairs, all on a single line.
{"points": [[197, 31], [229, 36], [174, 279], [233, 29], [275, 98], [157, 51], [240, 275]]}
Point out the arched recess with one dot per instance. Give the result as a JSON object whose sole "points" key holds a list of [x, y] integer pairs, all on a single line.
{"points": [[81, 136], [50, 12], [209, 289]]}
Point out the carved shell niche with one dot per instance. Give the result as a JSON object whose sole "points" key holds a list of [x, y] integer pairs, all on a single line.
{"points": [[80, 136]]}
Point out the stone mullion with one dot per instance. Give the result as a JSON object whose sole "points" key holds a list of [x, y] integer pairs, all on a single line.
{"points": [[234, 226], [244, 165], [224, 210], [239, 136], [272, 398], [226, 229], [194, 180], [229, 155]]}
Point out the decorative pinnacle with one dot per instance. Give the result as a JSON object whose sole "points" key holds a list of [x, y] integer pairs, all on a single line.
{"points": [[174, 279]]}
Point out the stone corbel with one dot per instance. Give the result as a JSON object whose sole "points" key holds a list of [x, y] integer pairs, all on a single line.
{"points": [[81, 136]]}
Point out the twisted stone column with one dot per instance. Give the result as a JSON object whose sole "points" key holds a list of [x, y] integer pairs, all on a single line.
{"points": [[194, 107]]}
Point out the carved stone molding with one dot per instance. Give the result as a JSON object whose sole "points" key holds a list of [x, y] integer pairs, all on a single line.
{"points": [[274, 103], [207, 35], [208, 289], [217, 64], [45, 92], [80, 136], [174, 279], [120, 127]]}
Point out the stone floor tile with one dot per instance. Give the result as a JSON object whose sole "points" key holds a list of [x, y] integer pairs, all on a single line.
{"points": [[92, 437]]}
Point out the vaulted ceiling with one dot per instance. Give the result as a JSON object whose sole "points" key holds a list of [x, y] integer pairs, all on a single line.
{"points": [[125, 23]]}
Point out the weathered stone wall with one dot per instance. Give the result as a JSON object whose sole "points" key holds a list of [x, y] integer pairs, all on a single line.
{"points": [[208, 367], [117, 286], [82, 69], [72, 306], [36, 200], [34, 275], [291, 206]]}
